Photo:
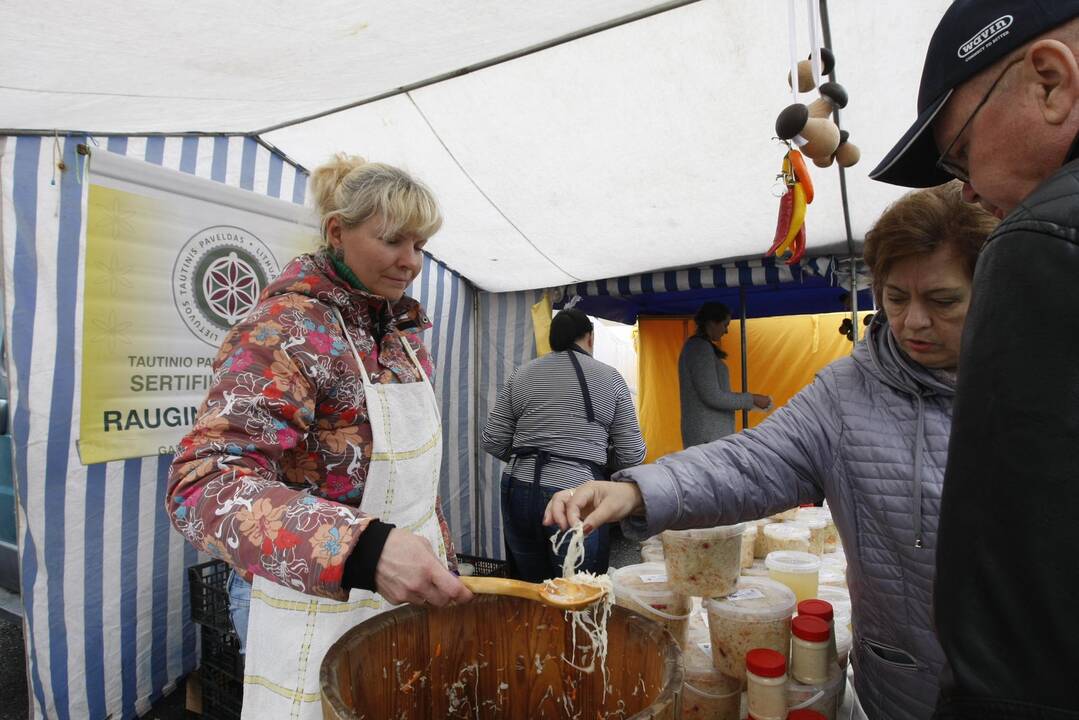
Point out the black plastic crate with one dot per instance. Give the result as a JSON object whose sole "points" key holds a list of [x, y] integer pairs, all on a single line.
{"points": [[208, 584], [485, 567], [222, 674]]}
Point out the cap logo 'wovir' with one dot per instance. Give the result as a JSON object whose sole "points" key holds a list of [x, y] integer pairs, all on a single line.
{"points": [[984, 37]]}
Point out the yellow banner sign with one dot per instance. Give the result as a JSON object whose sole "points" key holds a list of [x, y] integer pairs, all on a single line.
{"points": [[168, 270]]}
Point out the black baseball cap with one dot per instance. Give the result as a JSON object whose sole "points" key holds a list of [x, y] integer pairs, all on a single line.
{"points": [[972, 35]]}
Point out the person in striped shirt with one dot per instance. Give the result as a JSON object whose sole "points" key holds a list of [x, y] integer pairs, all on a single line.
{"points": [[561, 420]]}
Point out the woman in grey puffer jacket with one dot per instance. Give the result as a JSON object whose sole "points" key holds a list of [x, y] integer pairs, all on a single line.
{"points": [[870, 434]]}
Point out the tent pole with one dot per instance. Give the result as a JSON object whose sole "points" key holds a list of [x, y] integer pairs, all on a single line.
{"points": [[826, 30], [745, 370]]}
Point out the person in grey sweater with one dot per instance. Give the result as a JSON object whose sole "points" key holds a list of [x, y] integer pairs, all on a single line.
{"points": [[704, 384], [869, 434]]}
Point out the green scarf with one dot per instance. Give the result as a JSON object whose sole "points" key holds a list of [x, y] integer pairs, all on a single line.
{"points": [[346, 273]]}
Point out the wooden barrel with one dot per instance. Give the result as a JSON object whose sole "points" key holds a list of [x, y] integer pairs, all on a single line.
{"points": [[497, 657]]}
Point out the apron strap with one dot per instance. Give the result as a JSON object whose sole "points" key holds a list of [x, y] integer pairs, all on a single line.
{"points": [[589, 413], [545, 456], [359, 361]]}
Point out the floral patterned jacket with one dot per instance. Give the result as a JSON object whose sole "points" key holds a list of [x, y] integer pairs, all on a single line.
{"points": [[271, 476]]}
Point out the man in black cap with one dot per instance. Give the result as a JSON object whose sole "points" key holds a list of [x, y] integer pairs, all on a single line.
{"points": [[999, 109]]}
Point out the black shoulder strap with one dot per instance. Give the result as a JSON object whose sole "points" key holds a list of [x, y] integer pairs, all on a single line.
{"points": [[584, 386]]}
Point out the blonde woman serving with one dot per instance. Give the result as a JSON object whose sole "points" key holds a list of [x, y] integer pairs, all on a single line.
{"points": [[313, 466]]}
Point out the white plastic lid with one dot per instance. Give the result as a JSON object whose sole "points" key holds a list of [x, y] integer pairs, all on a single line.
{"points": [[831, 576], [771, 601], [813, 523], [814, 513], [838, 597], [654, 540], [758, 568], [720, 532], [786, 531], [647, 580], [835, 561], [749, 532], [792, 561]]}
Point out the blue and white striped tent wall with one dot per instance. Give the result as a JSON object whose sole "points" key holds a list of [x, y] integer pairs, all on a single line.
{"points": [[450, 301], [103, 582], [506, 340]]}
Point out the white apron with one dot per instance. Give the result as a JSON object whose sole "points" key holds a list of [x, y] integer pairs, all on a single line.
{"points": [[289, 632]]}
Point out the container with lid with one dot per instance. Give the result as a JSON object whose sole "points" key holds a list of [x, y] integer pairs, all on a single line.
{"points": [[706, 692], [839, 599], [817, 530], [796, 570], [652, 553], [810, 641], [785, 536], [703, 562], [844, 638], [823, 698], [749, 544], [786, 514], [758, 545], [757, 569], [756, 615], [644, 589], [832, 577], [831, 535], [766, 684], [823, 610]]}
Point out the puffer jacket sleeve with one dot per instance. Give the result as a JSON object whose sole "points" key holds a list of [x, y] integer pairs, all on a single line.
{"points": [[775, 466], [701, 370], [225, 491]]}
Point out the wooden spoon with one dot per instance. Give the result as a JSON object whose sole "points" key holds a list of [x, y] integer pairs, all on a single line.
{"points": [[558, 593]]}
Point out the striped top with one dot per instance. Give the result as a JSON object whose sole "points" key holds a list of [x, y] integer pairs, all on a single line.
{"points": [[542, 406]]}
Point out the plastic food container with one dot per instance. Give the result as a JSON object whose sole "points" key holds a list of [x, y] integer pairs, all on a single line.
{"points": [[810, 655], [831, 535], [652, 553], [756, 615], [844, 638], [785, 536], [704, 562], [749, 545], [823, 610], [824, 698], [797, 570], [644, 589], [706, 692], [805, 714], [757, 569], [834, 560], [817, 530], [832, 577], [786, 515], [758, 545], [839, 599], [766, 675]]}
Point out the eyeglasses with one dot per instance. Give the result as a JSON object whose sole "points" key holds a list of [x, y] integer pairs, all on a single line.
{"points": [[951, 167]]}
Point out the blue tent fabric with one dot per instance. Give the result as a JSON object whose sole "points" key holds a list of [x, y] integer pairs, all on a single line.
{"points": [[815, 285]]}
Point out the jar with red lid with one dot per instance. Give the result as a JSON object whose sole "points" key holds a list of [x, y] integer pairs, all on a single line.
{"points": [[766, 675], [809, 650], [823, 609]]}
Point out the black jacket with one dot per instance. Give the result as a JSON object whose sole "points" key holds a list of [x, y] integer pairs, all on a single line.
{"points": [[1007, 587]]}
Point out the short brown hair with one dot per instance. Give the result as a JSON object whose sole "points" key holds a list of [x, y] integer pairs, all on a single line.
{"points": [[922, 221]]}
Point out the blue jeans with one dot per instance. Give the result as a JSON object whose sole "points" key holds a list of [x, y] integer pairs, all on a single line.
{"points": [[529, 540], [239, 606]]}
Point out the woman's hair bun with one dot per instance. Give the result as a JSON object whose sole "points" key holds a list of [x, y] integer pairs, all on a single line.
{"points": [[326, 178]]}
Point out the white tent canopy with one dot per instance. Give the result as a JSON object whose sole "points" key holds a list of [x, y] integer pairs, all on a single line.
{"points": [[642, 147]]}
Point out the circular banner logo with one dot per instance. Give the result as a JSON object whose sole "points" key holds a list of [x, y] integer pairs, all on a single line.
{"points": [[217, 278]]}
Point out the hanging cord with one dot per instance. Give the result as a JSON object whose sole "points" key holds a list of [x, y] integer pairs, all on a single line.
{"points": [[813, 11], [57, 157], [793, 46]]}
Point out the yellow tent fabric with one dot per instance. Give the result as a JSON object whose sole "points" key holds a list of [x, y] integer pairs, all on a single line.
{"points": [[541, 324], [783, 354]]}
